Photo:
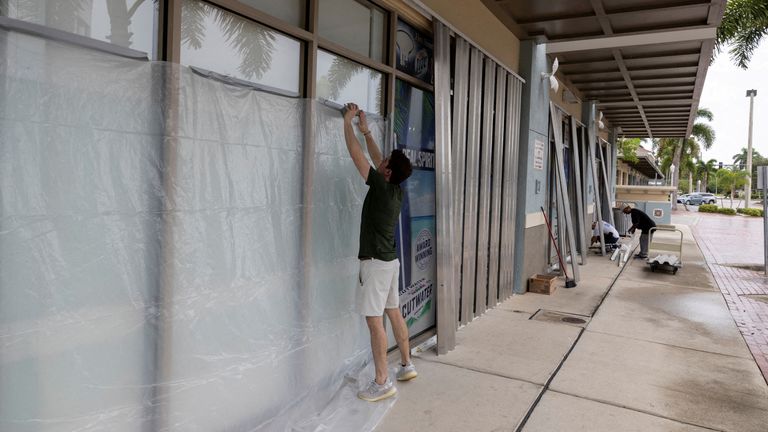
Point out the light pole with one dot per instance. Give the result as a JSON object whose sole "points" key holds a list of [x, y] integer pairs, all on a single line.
{"points": [[748, 189], [698, 185]]}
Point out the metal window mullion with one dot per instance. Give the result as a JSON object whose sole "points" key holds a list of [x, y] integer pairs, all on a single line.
{"points": [[459, 159], [484, 205], [446, 287], [471, 182], [494, 291]]}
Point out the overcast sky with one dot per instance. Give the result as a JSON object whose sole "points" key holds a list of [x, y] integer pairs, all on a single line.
{"points": [[725, 95]]}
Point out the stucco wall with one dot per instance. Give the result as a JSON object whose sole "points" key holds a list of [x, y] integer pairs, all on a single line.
{"points": [[472, 18]]}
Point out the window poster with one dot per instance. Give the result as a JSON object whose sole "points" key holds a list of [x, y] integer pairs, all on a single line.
{"points": [[414, 127]]}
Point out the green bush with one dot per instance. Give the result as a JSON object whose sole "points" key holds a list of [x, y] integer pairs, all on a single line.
{"points": [[708, 208], [750, 212], [728, 211]]}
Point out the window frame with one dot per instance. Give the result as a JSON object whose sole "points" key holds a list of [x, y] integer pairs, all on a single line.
{"points": [[307, 35]]}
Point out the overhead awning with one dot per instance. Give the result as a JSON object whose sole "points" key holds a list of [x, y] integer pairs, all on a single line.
{"points": [[646, 164], [642, 61]]}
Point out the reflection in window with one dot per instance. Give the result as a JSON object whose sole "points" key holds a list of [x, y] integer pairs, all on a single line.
{"points": [[414, 117], [223, 42], [128, 23], [341, 80], [354, 25], [290, 11]]}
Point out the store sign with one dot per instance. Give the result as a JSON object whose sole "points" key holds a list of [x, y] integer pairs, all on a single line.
{"points": [[538, 155], [414, 127], [413, 52]]}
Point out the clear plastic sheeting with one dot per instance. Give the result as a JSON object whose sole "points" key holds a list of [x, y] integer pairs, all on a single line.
{"points": [[176, 253]]}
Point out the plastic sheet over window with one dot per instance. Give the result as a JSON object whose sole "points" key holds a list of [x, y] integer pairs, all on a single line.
{"points": [[176, 253]]}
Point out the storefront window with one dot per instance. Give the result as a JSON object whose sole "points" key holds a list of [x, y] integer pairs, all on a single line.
{"points": [[126, 24], [354, 25], [290, 11], [341, 80], [220, 41]]}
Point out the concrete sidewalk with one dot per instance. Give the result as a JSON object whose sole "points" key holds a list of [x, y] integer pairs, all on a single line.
{"points": [[657, 352]]}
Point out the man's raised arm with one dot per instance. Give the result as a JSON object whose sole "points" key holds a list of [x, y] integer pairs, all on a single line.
{"points": [[370, 143], [353, 145]]}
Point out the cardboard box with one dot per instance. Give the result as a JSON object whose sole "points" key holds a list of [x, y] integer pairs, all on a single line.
{"points": [[542, 284]]}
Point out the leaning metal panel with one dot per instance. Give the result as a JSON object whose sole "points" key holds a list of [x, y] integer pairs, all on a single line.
{"points": [[484, 206], [581, 228], [496, 185], [603, 156], [562, 185], [446, 287], [459, 159], [472, 177], [509, 192], [593, 171]]}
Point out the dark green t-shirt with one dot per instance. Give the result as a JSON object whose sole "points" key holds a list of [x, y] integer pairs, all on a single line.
{"points": [[380, 211]]}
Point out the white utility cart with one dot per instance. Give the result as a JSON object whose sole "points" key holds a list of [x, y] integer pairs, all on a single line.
{"points": [[665, 251]]}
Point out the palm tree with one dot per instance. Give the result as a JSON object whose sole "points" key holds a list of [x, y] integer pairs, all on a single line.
{"points": [[741, 157], [705, 169], [702, 136], [744, 25]]}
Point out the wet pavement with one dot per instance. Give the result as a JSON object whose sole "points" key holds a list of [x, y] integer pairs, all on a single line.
{"points": [[733, 247], [657, 352]]}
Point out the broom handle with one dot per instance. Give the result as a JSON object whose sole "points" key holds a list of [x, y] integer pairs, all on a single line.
{"points": [[554, 243]]}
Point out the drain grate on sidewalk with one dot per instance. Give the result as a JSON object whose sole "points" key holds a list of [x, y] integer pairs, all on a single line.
{"points": [[561, 318]]}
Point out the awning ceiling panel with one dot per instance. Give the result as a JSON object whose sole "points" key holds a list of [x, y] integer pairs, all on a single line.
{"points": [[642, 61]]}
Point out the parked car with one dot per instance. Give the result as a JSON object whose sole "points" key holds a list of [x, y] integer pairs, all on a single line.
{"points": [[699, 198], [681, 198], [708, 198]]}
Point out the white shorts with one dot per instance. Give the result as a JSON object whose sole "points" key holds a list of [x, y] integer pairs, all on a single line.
{"points": [[377, 289]]}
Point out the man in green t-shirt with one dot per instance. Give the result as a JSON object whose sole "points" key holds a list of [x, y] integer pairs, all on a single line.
{"points": [[379, 267]]}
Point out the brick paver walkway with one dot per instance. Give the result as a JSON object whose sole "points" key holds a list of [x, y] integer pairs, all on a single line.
{"points": [[733, 248]]}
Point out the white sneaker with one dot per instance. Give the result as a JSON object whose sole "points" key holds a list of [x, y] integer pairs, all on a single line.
{"points": [[407, 372], [376, 392]]}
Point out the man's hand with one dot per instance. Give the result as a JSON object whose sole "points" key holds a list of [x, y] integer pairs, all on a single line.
{"points": [[350, 111], [353, 145]]}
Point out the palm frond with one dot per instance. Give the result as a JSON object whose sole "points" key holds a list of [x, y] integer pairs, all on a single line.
{"points": [[193, 16], [254, 43], [704, 113], [704, 134], [744, 24], [340, 74]]}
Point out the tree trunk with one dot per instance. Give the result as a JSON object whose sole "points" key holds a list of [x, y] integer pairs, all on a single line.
{"points": [[690, 183], [733, 191], [676, 172]]}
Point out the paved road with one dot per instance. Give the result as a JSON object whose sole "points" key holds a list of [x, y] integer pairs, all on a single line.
{"points": [[733, 249], [724, 202]]}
